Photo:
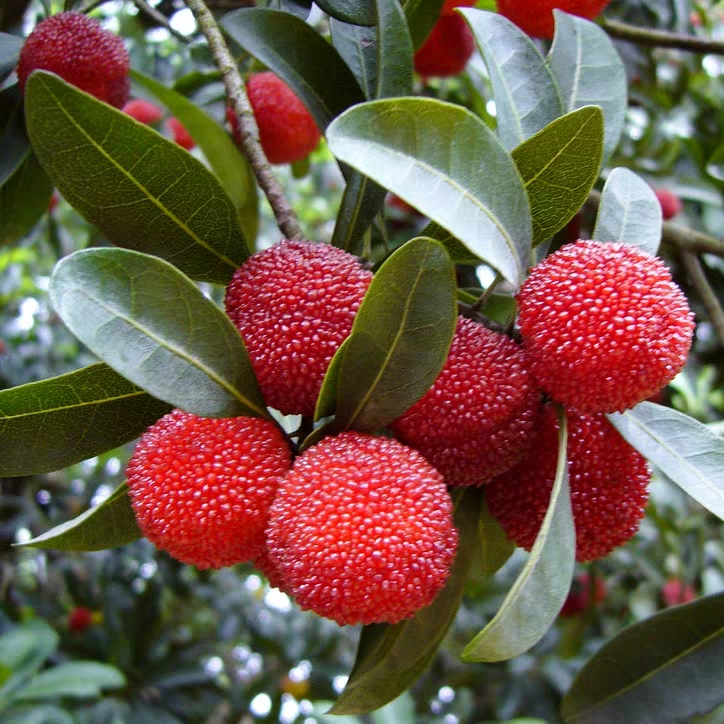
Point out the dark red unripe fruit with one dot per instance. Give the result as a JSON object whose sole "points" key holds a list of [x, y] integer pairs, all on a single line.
{"points": [[579, 597], [143, 111], [603, 325], [362, 531], [287, 130], [180, 134], [447, 49], [535, 17], [674, 592], [201, 488], [670, 203], [81, 52], [477, 419], [608, 481], [80, 619], [294, 305]]}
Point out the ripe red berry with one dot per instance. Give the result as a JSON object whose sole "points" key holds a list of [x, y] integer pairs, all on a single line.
{"points": [[80, 619], [608, 481], [287, 130], [674, 592], [362, 530], [264, 564], [143, 111], [180, 134], [670, 203], [201, 488], [535, 17], [579, 597], [80, 51], [294, 304], [476, 420], [447, 49], [604, 325]]}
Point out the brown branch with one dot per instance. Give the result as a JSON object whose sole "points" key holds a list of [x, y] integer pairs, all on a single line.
{"points": [[662, 38], [236, 92], [708, 297], [159, 18]]}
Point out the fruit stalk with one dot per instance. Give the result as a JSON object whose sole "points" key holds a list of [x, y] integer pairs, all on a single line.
{"points": [[662, 38], [236, 93]]}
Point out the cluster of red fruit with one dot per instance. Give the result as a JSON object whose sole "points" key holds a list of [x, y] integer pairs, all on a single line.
{"points": [[359, 527]]}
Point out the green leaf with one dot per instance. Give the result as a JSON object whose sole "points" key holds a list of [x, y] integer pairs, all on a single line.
{"points": [[78, 679], [449, 165], [539, 592], [683, 448], [10, 46], [14, 144], [526, 95], [327, 398], [421, 18], [394, 51], [495, 547], [589, 72], [44, 714], [141, 190], [559, 166], [152, 325], [227, 162], [390, 658], [666, 668], [306, 62], [357, 46], [361, 202], [400, 337], [629, 212], [57, 422], [109, 524], [24, 198], [357, 12], [459, 253]]}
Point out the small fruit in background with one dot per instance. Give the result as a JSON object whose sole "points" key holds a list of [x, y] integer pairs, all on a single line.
{"points": [[670, 203], [362, 530], [579, 597], [675, 592], [201, 488], [608, 481], [53, 203], [143, 111], [180, 134], [604, 326], [477, 419], [287, 130], [80, 619], [447, 49], [535, 17], [79, 50], [294, 305]]}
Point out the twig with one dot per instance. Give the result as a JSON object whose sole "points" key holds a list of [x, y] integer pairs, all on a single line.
{"points": [[662, 38], [160, 18], [694, 269], [482, 300], [236, 92]]}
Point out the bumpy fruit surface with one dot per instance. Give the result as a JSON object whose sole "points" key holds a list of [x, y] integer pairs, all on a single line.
{"points": [[608, 481], [180, 134], [670, 203], [201, 488], [603, 325], [80, 51], [294, 304], [143, 111], [447, 49], [476, 420], [362, 530], [535, 17], [287, 130]]}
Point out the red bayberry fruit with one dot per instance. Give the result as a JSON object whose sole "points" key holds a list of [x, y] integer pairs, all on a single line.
{"points": [[180, 134], [80, 619], [608, 481], [449, 6], [81, 52], [579, 598], [287, 130], [603, 325], [670, 203], [265, 565], [447, 49], [294, 304], [362, 530], [201, 488], [535, 17], [674, 592], [143, 111], [476, 420]]}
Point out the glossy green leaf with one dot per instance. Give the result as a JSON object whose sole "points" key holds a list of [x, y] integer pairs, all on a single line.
{"points": [[9, 51], [362, 200], [300, 8], [357, 46], [559, 166], [57, 422], [141, 190], [77, 679], [495, 547], [152, 325], [539, 592], [357, 12], [421, 18], [327, 398], [24, 198], [14, 144], [394, 51], [390, 658], [526, 95], [226, 160], [300, 56], [450, 166], [664, 669], [40, 714], [109, 524], [459, 253], [400, 337], [589, 72], [683, 448], [629, 212]]}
